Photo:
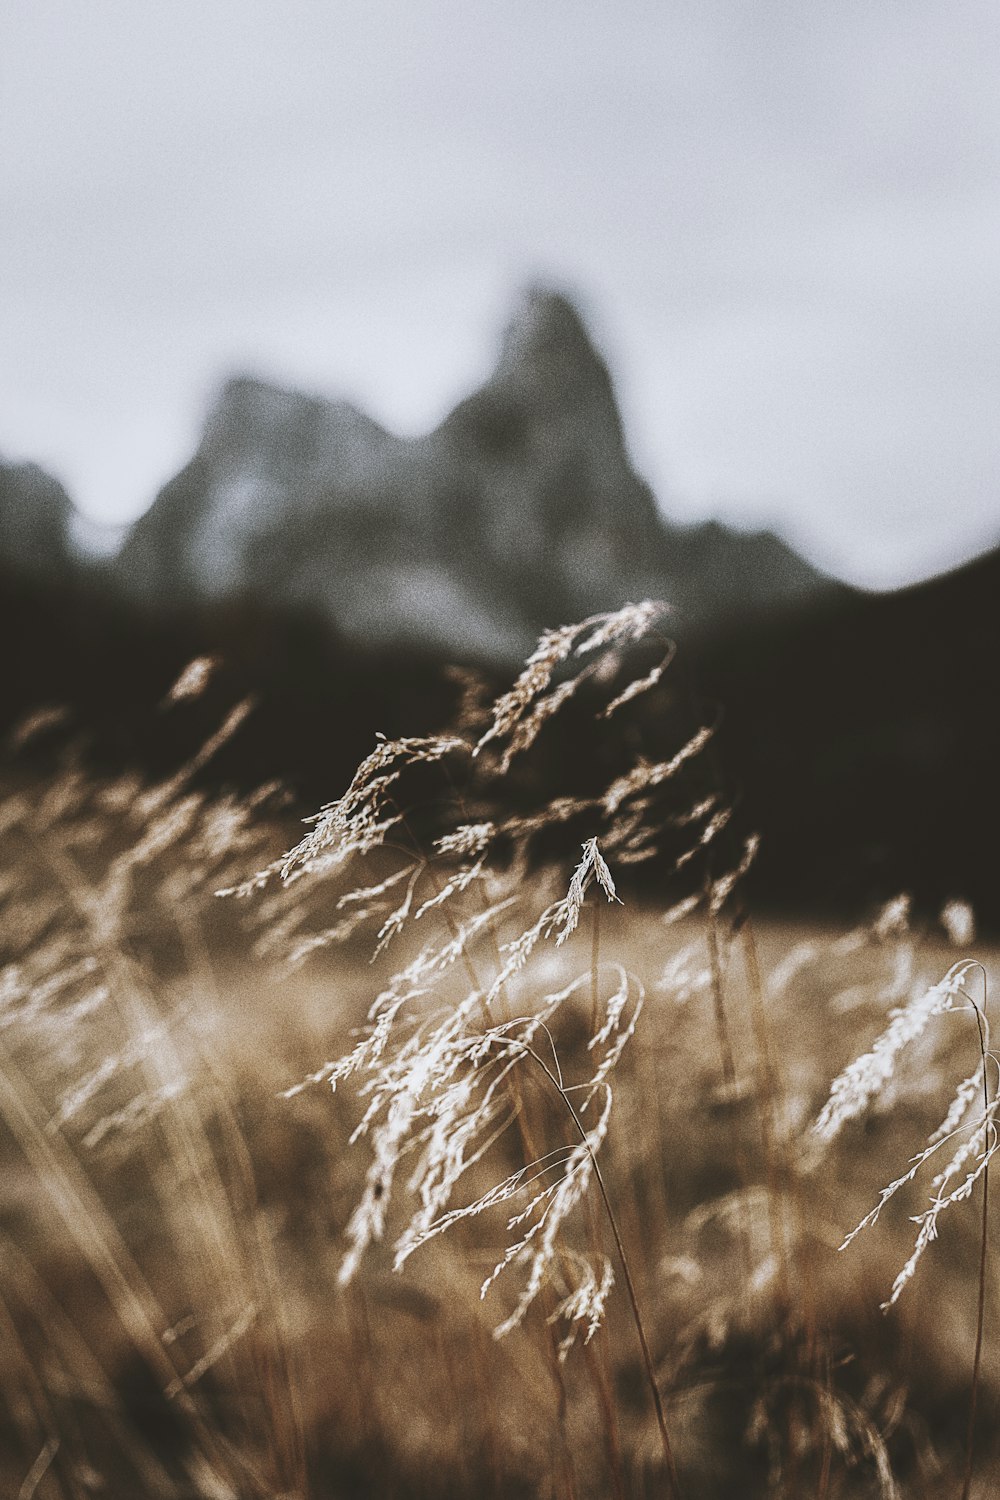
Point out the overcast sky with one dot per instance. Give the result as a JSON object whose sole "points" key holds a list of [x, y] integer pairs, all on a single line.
{"points": [[781, 218]]}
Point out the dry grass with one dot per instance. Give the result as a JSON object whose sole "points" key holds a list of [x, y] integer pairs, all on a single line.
{"points": [[207, 1291]]}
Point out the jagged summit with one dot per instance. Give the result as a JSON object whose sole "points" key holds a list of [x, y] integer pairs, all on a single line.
{"points": [[547, 349], [522, 509], [245, 516], [537, 454], [548, 375], [251, 415]]}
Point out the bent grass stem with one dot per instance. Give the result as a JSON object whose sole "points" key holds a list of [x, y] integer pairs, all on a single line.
{"points": [[981, 1307], [661, 1419]]}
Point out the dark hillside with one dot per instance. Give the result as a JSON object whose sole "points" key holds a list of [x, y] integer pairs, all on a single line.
{"points": [[317, 702], [864, 734], [861, 737]]}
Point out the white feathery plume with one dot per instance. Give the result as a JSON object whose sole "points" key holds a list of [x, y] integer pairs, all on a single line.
{"points": [[585, 1305], [628, 624], [356, 822], [860, 1082]]}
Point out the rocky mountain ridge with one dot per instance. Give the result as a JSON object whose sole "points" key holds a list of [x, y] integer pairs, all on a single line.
{"points": [[521, 510]]}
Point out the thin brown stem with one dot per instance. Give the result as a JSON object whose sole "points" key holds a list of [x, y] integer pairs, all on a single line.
{"points": [[823, 1488], [983, 1238], [718, 1000], [647, 1358], [598, 1372], [529, 1152], [595, 961], [776, 1165], [602, 1386]]}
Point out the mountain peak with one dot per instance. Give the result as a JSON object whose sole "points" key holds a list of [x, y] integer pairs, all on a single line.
{"points": [[250, 414], [546, 349], [543, 323]]}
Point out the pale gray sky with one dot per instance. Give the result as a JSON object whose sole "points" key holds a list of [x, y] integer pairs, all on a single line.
{"points": [[783, 220]]}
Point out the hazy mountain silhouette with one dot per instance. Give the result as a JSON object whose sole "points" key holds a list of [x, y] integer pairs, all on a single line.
{"points": [[521, 510]]}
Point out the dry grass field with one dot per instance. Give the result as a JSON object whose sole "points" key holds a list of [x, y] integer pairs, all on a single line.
{"points": [[532, 1203]]}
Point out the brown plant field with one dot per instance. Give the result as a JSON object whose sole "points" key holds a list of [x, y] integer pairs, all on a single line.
{"points": [[438, 1158]]}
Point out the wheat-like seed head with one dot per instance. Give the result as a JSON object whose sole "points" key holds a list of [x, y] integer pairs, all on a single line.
{"points": [[863, 1079], [441, 1069], [974, 1141]]}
